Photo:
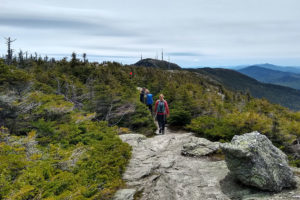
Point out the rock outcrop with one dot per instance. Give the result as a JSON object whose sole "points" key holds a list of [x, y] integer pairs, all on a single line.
{"points": [[254, 161], [125, 194], [198, 147], [158, 170]]}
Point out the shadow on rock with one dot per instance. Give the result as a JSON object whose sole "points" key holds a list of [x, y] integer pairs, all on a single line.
{"points": [[234, 189]]}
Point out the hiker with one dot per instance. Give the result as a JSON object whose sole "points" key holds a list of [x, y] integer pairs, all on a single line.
{"points": [[142, 95], [149, 100], [162, 112]]}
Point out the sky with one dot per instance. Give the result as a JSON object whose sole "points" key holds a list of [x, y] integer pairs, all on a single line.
{"points": [[192, 33]]}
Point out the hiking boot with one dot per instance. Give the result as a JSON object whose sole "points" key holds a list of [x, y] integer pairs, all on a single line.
{"points": [[160, 130], [163, 132]]}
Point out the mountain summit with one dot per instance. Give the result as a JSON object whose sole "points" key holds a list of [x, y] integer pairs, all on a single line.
{"points": [[149, 62]]}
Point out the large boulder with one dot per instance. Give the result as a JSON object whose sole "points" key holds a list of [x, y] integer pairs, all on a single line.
{"points": [[254, 161]]}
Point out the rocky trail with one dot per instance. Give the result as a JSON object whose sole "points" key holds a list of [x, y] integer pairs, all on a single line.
{"points": [[159, 171]]}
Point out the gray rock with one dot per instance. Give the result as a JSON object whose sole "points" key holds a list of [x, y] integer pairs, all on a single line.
{"points": [[125, 194], [198, 147], [133, 139], [159, 171], [294, 150], [254, 161]]}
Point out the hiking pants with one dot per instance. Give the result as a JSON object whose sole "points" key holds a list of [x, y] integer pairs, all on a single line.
{"points": [[142, 98], [161, 119], [150, 107]]}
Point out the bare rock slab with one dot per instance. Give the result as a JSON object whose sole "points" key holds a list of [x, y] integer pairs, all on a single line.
{"points": [[255, 161], [160, 172], [125, 194], [198, 147]]}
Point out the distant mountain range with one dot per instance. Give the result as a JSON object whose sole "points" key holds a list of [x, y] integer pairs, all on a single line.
{"points": [[294, 69], [237, 81], [268, 75]]}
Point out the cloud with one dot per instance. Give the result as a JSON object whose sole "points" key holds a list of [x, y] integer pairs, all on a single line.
{"points": [[204, 31], [102, 28], [185, 54]]}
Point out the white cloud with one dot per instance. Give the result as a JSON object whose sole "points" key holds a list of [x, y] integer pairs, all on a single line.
{"points": [[191, 32]]}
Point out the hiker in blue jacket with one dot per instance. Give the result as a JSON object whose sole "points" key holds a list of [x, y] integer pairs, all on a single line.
{"points": [[149, 100]]}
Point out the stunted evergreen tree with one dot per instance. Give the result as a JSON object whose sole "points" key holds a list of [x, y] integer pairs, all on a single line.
{"points": [[74, 60], [21, 59]]}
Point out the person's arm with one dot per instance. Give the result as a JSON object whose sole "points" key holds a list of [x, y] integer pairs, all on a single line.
{"points": [[167, 108], [155, 108]]}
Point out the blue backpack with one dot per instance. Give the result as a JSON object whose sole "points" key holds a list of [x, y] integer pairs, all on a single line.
{"points": [[149, 99]]}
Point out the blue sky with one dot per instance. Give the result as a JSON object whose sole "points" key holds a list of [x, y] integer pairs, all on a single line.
{"points": [[191, 32]]}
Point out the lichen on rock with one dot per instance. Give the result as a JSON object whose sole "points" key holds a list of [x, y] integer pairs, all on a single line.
{"points": [[255, 161], [198, 147]]}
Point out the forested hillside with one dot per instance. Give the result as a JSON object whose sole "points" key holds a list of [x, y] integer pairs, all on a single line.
{"points": [[60, 122], [236, 81], [265, 75]]}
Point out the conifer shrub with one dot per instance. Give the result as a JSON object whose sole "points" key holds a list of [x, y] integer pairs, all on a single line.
{"points": [[140, 121], [90, 169], [179, 117]]}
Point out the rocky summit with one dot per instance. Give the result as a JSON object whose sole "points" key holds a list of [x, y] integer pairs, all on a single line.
{"points": [[255, 161]]}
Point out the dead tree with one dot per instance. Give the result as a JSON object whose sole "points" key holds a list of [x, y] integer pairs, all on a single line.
{"points": [[9, 55], [84, 58], [35, 56]]}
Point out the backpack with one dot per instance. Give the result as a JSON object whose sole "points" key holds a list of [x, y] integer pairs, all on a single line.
{"points": [[161, 107], [149, 99]]}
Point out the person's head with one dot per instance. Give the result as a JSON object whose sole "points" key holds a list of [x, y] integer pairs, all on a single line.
{"points": [[147, 91], [161, 97]]}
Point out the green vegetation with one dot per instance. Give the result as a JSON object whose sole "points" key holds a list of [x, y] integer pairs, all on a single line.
{"points": [[236, 81], [61, 141], [277, 77], [201, 104], [90, 166], [60, 119]]}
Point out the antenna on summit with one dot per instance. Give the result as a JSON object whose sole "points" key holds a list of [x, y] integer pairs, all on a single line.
{"points": [[162, 54]]}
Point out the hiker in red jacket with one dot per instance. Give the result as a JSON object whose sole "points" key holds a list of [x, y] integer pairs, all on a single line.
{"points": [[162, 112]]}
